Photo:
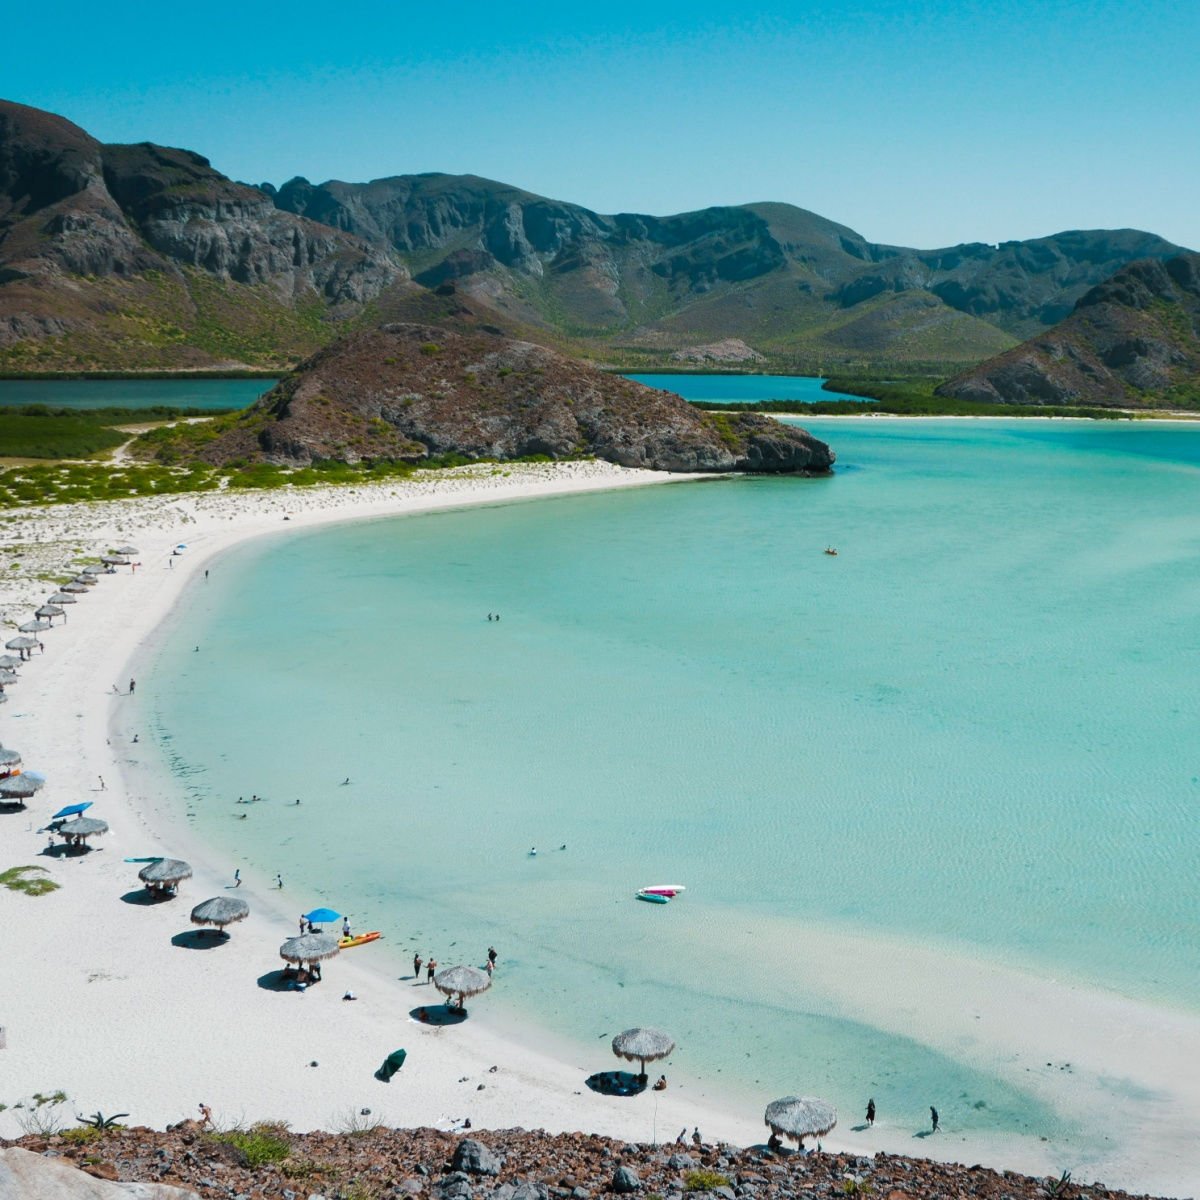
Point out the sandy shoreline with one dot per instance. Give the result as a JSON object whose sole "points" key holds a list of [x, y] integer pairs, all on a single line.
{"points": [[102, 1004]]}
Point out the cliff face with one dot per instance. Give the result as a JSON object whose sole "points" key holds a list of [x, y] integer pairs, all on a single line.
{"points": [[411, 391], [142, 255], [777, 276], [1133, 341]]}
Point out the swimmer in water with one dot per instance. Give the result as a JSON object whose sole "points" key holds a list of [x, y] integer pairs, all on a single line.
{"points": [[532, 851]]}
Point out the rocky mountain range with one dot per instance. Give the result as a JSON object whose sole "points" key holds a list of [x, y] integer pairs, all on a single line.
{"points": [[1131, 342], [141, 256], [412, 391]]}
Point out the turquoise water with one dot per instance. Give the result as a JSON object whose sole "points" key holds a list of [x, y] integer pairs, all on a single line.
{"points": [[975, 726], [133, 393], [744, 389]]}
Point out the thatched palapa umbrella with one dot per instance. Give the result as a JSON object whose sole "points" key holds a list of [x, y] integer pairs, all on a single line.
{"points": [[63, 598], [799, 1117], [8, 677], [114, 560], [645, 1045], [165, 875], [79, 830], [74, 589], [220, 911], [8, 663], [9, 758], [49, 612], [88, 581], [20, 787], [23, 644], [127, 549], [34, 626], [91, 569], [309, 949], [462, 982]]}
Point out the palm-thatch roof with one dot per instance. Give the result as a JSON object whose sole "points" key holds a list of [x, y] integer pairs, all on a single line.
{"points": [[34, 626], [9, 758], [83, 827], [114, 560], [63, 598], [462, 982], [308, 948], [8, 663], [7, 678], [20, 787], [127, 549], [91, 569], [221, 911], [645, 1045], [74, 588], [21, 643], [88, 581], [165, 872], [50, 610], [799, 1117]]}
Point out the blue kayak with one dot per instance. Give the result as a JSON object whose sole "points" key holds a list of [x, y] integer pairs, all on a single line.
{"points": [[653, 898]]}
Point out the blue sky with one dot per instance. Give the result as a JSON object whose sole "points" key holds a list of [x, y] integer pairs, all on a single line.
{"points": [[922, 123]]}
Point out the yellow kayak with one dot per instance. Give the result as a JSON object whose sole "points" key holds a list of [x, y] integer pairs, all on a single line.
{"points": [[358, 939]]}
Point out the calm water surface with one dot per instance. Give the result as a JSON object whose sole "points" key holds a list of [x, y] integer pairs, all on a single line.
{"points": [[975, 726], [133, 393], [743, 389]]}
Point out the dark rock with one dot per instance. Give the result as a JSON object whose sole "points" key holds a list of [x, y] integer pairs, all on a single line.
{"points": [[456, 1186], [474, 1157], [681, 1162], [530, 1191], [625, 1180]]}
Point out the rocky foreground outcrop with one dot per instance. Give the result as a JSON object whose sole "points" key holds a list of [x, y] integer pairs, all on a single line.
{"points": [[414, 391], [515, 1165], [1132, 342]]}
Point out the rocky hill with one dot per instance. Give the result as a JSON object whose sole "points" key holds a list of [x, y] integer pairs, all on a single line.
{"points": [[784, 280], [143, 256], [1131, 342], [412, 391], [508, 1164], [128, 256]]}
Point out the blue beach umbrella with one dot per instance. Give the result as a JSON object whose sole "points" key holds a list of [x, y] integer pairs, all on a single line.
{"points": [[319, 916], [72, 810]]}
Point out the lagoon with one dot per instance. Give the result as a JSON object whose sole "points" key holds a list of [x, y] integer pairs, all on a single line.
{"points": [[133, 393], [971, 732]]}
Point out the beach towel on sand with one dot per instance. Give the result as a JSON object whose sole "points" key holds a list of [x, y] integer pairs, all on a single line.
{"points": [[391, 1065]]}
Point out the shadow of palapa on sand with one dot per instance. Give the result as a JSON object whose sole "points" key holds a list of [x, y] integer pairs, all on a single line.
{"points": [[144, 897], [617, 1083], [200, 939], [438, 1014]]}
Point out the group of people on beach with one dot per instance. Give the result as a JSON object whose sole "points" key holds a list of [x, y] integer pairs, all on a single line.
{"points": [[934, 1116], [432, 965]]}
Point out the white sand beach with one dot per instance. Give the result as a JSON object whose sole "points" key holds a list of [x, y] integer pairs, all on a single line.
{"points": [[100, 1002]]}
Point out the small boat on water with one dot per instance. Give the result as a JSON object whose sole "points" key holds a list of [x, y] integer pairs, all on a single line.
{"points": [[664, 889], [832, 550], [653, 897], [359, 939]]}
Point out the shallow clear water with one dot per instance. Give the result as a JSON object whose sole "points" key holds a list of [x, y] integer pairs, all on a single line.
{"points": [[976, 726], [744, 389], [133, 393]]}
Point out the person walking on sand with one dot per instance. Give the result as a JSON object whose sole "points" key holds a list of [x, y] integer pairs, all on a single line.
{"points": [[237, 877], [417, 960], [871, 1111], [132, 686], [102, 787], [279, 882], [430, 967], [933, 1116]]}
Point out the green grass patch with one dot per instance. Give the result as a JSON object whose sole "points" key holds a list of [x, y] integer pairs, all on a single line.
{"points": [[260, 1144], [30, 880], [703, 1180], [82, 1135]]}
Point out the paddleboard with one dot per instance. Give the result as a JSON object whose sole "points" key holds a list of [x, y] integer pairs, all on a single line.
{"points": [[665, 889], [653, 897], [359, 939]]}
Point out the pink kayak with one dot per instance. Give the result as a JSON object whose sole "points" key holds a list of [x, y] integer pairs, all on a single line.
{"points": [[664, 889]]}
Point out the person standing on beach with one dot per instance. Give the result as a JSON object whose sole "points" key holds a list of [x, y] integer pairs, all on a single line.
{"points": [[933, 1116], [345, 927], [101, 778], [279, 882], [303, 924], [429, 970], [237, 877], [489, 967], [417, 967], [871, 1111], [132, 686]]}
